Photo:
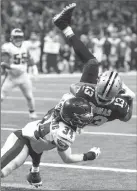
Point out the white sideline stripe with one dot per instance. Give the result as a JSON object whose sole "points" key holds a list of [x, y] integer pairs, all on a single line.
{"points": [[39, 113], [84, 167], [17, 185], [85, 132], [36, 98], [40, 99], [75, 75], [109, 133]]}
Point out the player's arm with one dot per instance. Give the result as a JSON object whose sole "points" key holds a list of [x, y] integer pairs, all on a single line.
{"points": [[128, 115], [124, 108], [5, 60], [68, 157], [74, 88], [127, 92]]}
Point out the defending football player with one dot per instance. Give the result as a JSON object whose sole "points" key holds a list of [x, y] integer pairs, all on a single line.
{"points": [[110, 98], [15, 59], [56, 130]]}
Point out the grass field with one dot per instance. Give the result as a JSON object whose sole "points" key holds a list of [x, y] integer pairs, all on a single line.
{"points": [[115, 169]]}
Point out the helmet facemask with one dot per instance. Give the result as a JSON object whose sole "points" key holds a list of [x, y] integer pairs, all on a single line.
{"points": [[17, 40]]}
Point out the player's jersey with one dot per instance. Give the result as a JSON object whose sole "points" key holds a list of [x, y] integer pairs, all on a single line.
{"points": [[49, 133], [18, 57], [118, 109]]}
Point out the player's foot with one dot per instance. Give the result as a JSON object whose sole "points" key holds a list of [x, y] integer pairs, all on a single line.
{"points": [[33, 115], [63, 19], [34, 179]]}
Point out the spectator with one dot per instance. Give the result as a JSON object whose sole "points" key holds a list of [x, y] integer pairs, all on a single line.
{"points": [[65, 59], [106, 52], [51, 50], [133, 45], [34, 52]]}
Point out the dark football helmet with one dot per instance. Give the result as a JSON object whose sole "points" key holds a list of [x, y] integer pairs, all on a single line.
{"points": [[76, 112]]}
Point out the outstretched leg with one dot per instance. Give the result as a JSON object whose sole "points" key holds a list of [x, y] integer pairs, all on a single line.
{"points": [[63, 21], [13, 153]]}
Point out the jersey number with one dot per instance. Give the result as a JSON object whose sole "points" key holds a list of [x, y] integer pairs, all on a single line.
{"points": [[89, 91], [99, 120], [120, 102], [68, 131], [18, 59]]}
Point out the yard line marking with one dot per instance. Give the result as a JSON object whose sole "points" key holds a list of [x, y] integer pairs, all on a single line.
{"points": [[75, 75], [36, 98], [109, 133], [39, 113], [40, 99], [57, 165], [4, 128], [17, 185]]}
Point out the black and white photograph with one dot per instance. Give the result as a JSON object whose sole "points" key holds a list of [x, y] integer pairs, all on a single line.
{"points": [[68, 95]]}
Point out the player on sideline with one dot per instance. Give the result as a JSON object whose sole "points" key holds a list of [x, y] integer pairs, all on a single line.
{"points": [[56, 130], [14, 65]]}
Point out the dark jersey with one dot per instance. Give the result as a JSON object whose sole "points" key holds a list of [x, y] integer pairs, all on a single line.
{"points": [[118, 109]]}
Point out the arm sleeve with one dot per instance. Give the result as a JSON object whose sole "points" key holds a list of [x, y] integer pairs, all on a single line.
{"points": [[122, 108], [90, 72]]}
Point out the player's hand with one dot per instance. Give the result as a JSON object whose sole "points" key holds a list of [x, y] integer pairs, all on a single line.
{"points": [[92, 154], [5, 65], [130, 95]]}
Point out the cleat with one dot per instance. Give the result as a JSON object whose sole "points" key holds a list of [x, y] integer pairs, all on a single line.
{"points": [[34, 179], [33, 115], [63, 19]]}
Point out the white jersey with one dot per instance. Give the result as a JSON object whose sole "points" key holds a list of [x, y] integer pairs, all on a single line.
{"points": [[47, 134], [18, 57]]}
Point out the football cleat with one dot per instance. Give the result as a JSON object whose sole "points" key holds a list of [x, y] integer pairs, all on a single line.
{"points": [[34, 179], [63, 19], [33, 115]]}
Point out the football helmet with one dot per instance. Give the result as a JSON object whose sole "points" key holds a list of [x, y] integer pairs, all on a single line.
{"points": [[76, 112], [108, 86], [17, 36]]}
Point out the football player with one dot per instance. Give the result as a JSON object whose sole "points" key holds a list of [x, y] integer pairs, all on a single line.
{"points": [[14, 65], [110, 98], [56, 130]]}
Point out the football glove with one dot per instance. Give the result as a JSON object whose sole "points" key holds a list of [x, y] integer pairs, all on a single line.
{"points": [[92, 154]]}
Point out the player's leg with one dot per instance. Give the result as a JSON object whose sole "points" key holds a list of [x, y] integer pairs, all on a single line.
{"points": [[13, 153], [7, 85], [34, 177], [26, 88], [62, 21]]}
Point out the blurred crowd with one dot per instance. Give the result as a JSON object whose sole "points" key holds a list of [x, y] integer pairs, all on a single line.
{"points": [[107, 28]]}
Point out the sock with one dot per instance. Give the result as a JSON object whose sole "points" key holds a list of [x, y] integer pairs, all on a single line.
{"points": [[80, 49], [34, 169], [68, 32]]}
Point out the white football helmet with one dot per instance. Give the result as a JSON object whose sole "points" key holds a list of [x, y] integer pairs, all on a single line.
{"points": [[108, 86], [17, 36]]}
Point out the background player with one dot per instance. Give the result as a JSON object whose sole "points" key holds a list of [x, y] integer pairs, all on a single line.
{"points": [[56, 130], [15, 59]]}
